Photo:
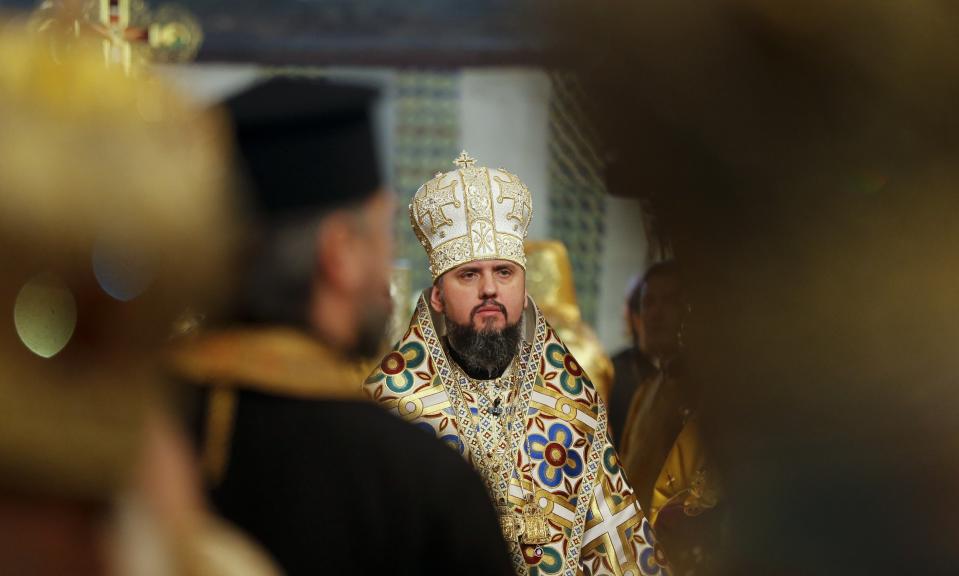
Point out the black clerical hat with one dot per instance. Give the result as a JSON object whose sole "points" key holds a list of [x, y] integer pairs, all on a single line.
{"points": [[305, 144]]}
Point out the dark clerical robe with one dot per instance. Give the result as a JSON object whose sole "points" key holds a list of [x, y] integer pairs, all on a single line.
{"points": [[630, 369], [331, 486], [664, 455]]}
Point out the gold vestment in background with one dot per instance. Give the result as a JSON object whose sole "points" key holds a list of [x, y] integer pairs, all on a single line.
{"points": [[549, 280]]}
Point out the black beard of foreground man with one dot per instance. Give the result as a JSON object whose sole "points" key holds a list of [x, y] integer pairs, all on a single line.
{"points": [[325, 480], [481, 369]]}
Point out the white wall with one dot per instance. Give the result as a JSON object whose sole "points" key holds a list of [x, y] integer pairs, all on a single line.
{"points": [[504, 123], [624, 256], [210, 83]]}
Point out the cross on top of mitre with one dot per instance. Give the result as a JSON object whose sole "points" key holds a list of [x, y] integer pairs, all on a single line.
{"points": [[464, 160]]}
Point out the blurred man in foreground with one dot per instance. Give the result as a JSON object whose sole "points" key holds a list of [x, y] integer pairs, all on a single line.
{"points": [[99, 206], [293, 453]]}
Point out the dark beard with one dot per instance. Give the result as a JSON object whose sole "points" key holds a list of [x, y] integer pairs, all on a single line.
{"points": [[482, 354]]}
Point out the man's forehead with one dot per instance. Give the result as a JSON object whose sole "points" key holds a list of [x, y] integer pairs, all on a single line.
{"points": [[485, 264]]}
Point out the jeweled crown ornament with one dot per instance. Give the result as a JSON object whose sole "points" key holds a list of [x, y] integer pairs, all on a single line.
{"points": [[471, 213], [130, 33]]}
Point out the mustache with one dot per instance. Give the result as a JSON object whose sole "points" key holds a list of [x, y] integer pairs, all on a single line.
{"points": [[488, 302]]}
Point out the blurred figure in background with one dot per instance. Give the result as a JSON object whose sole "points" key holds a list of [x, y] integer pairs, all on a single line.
{"points": [[105, 183], [631, 367], [663, 401], [662, 451], [327, 481], [800, 157]]}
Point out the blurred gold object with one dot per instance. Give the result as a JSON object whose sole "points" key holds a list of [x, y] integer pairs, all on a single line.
{"points": [[549, 280], [129, 34], [685, 479], [175, 35], [81, 165], [103, 176], [686, 509]]}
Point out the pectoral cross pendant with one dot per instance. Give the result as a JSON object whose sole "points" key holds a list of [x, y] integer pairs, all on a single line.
{"points": [[536, 527], [507, 522]]}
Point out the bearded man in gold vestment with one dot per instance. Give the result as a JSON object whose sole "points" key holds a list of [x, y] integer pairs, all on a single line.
{"points": [[481, 368]]}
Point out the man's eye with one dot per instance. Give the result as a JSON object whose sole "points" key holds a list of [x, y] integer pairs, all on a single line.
{"points": [[505, 273], [467, 275]]}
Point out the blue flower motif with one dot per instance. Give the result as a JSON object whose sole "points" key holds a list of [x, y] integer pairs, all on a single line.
{"points": [[650, 562], [555, 454], [610, 461], [454, 442]]}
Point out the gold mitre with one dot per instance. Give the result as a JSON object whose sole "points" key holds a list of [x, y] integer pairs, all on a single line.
{"points": [[471, 213]]}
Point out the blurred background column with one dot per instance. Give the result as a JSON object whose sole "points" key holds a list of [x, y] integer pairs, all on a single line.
{"points": [[504, 123]]}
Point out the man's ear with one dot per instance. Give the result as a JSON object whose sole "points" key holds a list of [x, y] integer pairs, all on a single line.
{"points": [[525, 291], [436, 299], [339, 253]]}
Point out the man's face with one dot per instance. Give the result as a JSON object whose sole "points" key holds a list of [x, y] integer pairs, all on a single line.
{"points": [[487, 295], [373, 304], [661, 316]]}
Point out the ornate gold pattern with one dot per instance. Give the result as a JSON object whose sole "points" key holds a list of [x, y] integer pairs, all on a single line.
{"points": [[471, 213], [685, 477], [513, 189], [510, 247], [430, 204], [464, 160], [616, 539], [450, 254], [535, 526]]}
